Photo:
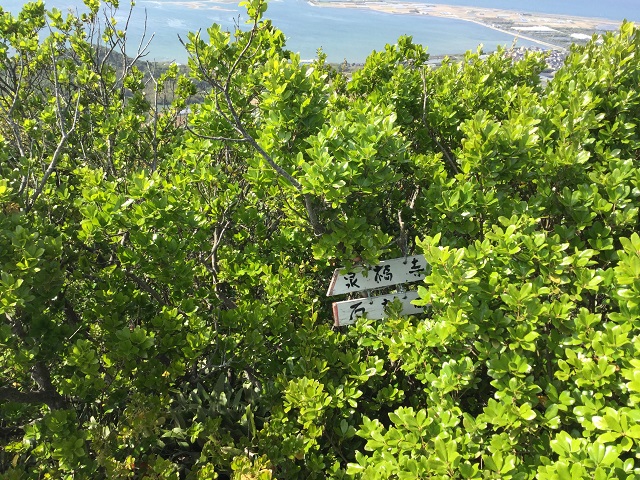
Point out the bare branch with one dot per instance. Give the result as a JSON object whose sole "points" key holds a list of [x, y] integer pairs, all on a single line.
{"points": [[233, 68], [108, 52], [318, 229], [47, 393], [64, 132], [14, 102], [52, 399], [144, 285], [54, 159], [209, 137], [142, 50], [430, 131], [154, 142]]}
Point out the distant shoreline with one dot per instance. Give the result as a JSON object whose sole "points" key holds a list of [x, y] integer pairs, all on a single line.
{"points": [[555, 32]]}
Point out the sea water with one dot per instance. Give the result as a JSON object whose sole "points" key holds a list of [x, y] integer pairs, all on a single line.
{"points": [[610, 9], [342, 33]]}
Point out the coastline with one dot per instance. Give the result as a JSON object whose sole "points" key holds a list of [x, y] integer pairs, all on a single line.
{"points": [[465, 28], [516, 36], [555, 32]]}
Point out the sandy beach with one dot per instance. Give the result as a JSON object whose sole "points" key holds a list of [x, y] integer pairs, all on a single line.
{"points": [[542, 29]]}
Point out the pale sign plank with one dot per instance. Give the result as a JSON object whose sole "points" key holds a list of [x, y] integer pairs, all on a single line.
{"points": [[385, 274], [347, 312]]}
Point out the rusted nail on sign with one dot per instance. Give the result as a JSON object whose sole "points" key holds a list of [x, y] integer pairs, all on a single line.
{"points": [[397, 271]]}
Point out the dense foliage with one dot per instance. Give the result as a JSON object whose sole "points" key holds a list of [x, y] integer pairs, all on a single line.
{"points": [[162, 309]]}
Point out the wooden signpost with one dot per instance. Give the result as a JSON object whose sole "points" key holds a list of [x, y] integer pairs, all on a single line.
{"points": [[397, 271]]}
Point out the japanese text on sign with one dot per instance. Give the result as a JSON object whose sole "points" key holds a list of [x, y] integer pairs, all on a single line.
{"points": [[347, 312], [387, 273]]}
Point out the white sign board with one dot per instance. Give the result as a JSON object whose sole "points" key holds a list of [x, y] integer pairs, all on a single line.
{"points": [[347, 312], [385, 274]]}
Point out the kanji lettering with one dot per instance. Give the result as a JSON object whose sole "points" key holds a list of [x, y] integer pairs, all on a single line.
{"points": [[416, 269], [352, 280], [356, 311], [383, 272]]}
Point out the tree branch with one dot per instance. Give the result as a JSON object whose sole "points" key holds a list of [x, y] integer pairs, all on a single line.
{"points": [[430, 131], [63, 131], [51, 399], [144, 285], [46, 392], [209, 137], [55, 159], [236, 123]]}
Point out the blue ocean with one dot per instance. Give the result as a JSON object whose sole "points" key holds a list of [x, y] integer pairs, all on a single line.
{"points": [[342, 33]]}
